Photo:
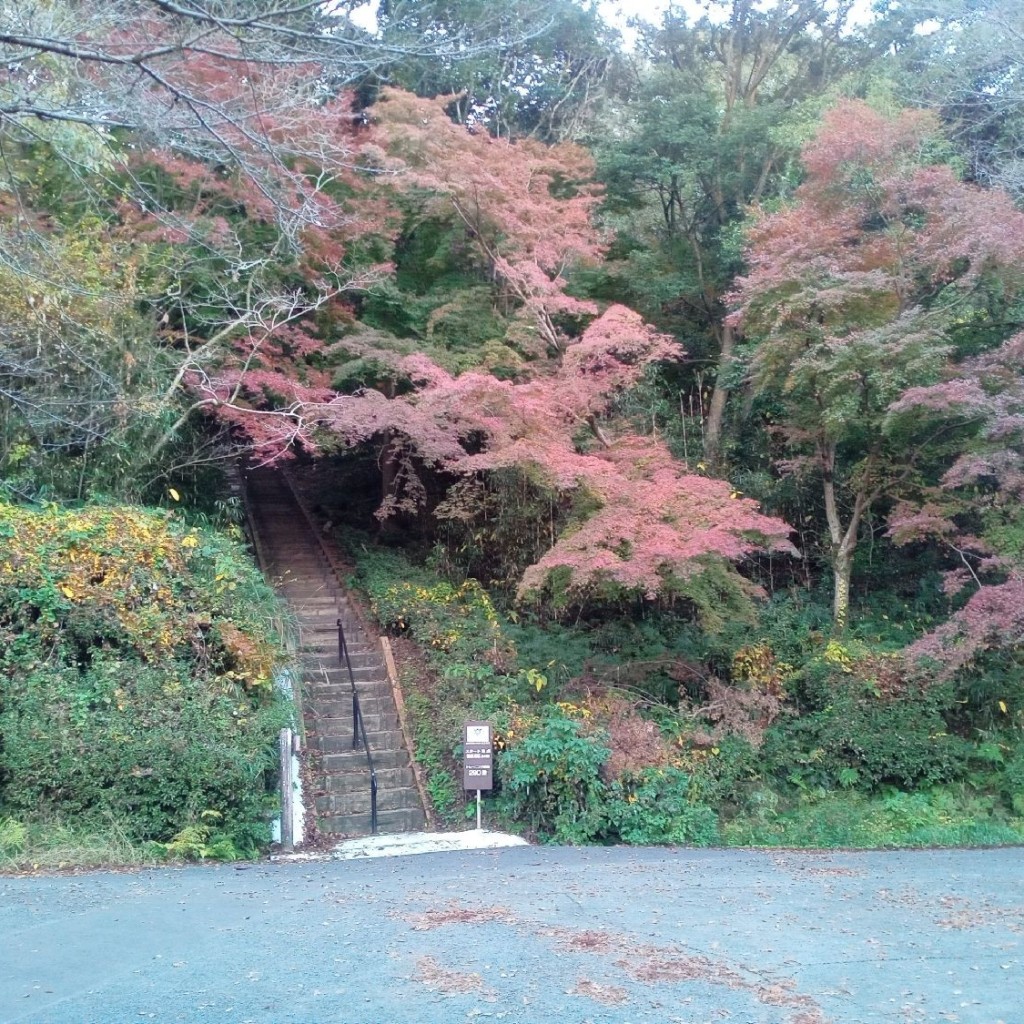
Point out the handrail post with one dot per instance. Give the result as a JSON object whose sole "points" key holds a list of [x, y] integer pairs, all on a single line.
{"points": [[358, 725], [355, 720], [373, 802]]}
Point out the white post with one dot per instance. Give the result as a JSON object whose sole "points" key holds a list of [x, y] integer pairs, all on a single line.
{"points": [[478, 825], [287, 810]]}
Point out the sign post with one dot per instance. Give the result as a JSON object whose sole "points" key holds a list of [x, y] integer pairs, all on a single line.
{"points": [[477, 760]]}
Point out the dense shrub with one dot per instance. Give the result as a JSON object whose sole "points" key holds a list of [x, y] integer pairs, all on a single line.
{"points": [[930, 817], [639, 729], [136, 675], [656, 807], [861, 740], [551, 778]]}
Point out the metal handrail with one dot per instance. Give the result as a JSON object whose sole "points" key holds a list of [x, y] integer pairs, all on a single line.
{"points": [[358, 725]]}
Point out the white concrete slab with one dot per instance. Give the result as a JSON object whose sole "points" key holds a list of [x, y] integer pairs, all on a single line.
{"points": [[404, 844]]}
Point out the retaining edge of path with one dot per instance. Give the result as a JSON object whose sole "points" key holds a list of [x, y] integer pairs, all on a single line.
{"points": [[396, 690]]}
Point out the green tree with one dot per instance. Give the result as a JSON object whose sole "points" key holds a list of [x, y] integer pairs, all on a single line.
{"points": [[543, 80], [861, 288], [712, 123]]}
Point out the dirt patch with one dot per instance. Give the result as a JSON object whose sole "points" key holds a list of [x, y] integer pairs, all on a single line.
{"points": [[647, 964], [809, 1017], [906, 897], [799, 866], [966, 915], [654, 965], [581, 942], [451, 983], [456, 913], [609, 995], [783, 993]]}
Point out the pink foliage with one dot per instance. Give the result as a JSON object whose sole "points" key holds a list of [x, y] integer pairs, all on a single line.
{"points": [[528, 209], [991, 388], [864, 169], [957, 395], [653, 521], [527, 206], [988, 389], [854, 135], [912, 522], [993, 617]]}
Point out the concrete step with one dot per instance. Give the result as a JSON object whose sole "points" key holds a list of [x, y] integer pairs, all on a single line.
{"points": [[374, 722], [342, 693], [357, 780], [339, 705], [298, 569], [360, 673], [334, 736], [350, 760], [371, 706], [325, 635], [321, 603], [374, 702], [404, 820], [358, 801], [323, 632], [327, 624], [293, 578], [328, 672], [306, 597], [323, 615]]}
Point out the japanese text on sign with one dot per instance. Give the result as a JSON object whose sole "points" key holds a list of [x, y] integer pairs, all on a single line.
{"points": [[477, 756]]}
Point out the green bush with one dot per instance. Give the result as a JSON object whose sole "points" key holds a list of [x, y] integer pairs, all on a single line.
{"points": [[859, 739], [449, 621], [1012, 780], [724, 777], [551, 779], [838, 767], [656, 809], [942, 816], [136, 677]]}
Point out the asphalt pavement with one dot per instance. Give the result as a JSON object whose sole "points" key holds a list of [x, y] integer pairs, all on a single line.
{"points": [[526, 935]]}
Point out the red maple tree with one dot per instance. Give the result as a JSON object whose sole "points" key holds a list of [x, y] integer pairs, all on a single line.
{"points": [[641, 522], [652, 526], [527, 206], [974, 510]]}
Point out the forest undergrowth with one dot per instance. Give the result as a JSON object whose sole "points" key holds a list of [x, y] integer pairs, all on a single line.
{"points": [[645, 729]]}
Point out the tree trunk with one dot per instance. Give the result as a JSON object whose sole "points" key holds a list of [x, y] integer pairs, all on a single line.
{"points": [[716, 413], [390, 467], [843, 569], [844, 540]]}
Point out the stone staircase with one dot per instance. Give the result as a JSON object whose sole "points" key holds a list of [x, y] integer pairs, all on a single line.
{"points": [[295, 564]]}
